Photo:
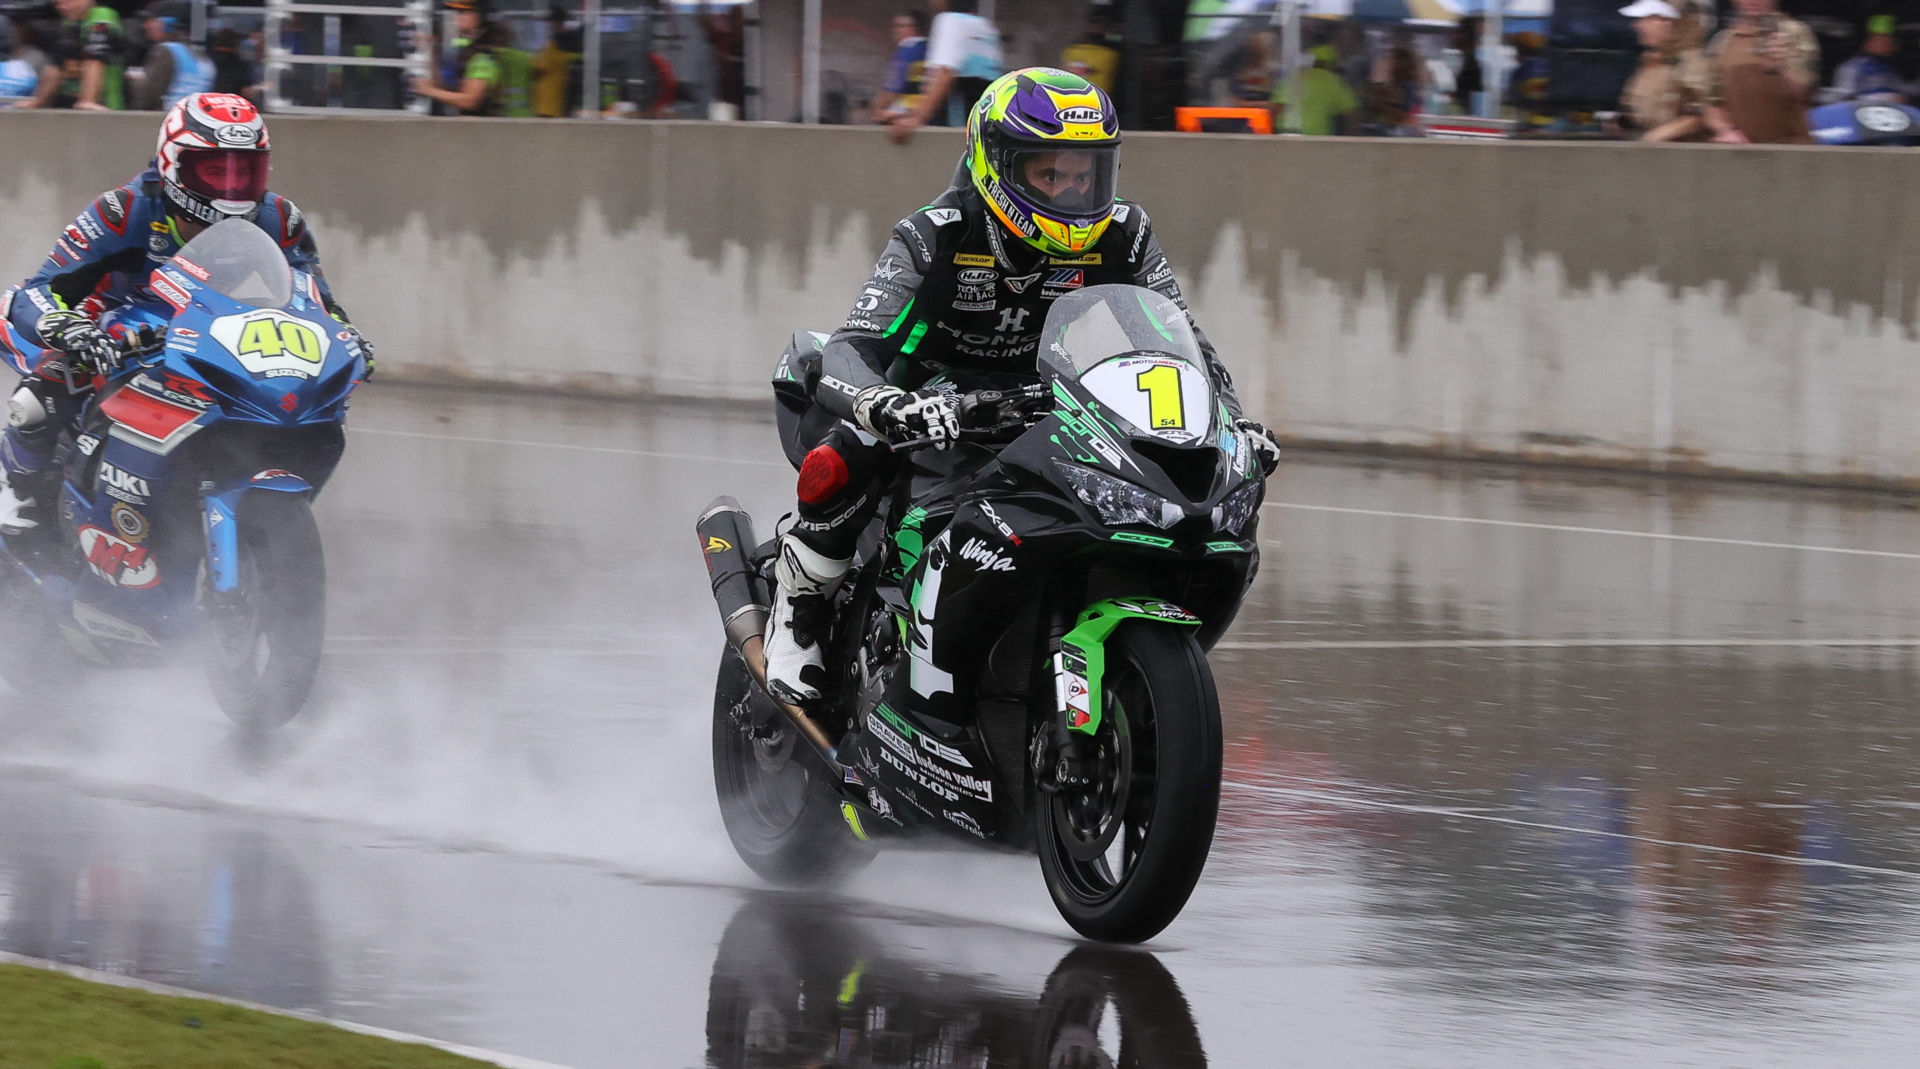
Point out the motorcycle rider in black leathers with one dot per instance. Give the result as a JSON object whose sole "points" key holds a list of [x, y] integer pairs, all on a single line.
{"points": [[963, 287]]}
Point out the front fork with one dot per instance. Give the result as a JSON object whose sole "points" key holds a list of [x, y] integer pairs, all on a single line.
{"points": [[1079, 671], [219, 512]]}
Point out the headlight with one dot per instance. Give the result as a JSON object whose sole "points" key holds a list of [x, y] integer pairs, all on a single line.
{"points": [[1117, 501], [1232, 514]]}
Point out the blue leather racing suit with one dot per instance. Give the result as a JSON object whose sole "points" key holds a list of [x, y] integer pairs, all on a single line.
{"points": [[101, 260]]}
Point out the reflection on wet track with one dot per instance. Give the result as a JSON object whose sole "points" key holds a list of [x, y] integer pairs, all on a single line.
{"points": [[1573, 770]]}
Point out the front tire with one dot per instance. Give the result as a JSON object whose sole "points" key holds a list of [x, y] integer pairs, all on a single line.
{"points": [[784, 822], [1122, 855], [264, 636]]}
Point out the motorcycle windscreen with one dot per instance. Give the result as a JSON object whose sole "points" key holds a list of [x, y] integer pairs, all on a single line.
{"points": [[235, 258], [1134, 350]]}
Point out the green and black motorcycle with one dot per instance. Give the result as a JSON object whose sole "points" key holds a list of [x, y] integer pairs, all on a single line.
{"points": [[1020, 645]]}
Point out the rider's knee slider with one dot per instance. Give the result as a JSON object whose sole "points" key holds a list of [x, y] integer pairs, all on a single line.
{"points": [[822, 475]]}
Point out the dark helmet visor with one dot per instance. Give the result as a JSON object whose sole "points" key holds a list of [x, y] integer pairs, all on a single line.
{"points": [[224, 173]]}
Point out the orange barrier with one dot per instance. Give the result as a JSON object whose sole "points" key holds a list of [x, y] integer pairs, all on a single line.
{"points": [[1242, 120]]}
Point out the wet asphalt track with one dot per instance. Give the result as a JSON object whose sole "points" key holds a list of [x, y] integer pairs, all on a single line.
{"points": [[1522, 768]]}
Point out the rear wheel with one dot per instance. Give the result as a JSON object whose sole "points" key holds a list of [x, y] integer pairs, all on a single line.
{"points": [[784, 822], [264, 636], [1122, 854]]}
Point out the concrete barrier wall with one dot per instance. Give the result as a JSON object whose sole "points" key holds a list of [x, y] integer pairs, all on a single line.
{"points": [[1746, 311]]}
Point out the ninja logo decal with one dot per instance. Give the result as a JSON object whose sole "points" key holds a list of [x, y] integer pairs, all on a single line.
{"points": [[985, 557]]}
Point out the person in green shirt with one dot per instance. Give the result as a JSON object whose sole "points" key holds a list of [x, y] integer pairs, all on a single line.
{"points": [[1327, 103], [88, 61], [475, 75]]}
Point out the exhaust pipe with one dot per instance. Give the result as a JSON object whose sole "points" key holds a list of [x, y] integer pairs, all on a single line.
{"points": [[726, 537]]}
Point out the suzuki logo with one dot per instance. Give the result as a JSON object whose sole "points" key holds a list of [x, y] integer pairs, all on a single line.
{"points": [[1012, 319]]}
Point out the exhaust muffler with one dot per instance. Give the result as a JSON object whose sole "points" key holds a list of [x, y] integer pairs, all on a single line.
{"points": [[726, 537]]}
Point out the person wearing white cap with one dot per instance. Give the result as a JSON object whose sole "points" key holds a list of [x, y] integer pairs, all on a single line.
{"points": [[1665, 100]]}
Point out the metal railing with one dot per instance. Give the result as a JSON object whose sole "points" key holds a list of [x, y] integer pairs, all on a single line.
{"points": [[279, 61]]}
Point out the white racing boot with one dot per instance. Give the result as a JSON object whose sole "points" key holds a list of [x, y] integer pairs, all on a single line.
{"points": [[18, 515], [802, 617]]}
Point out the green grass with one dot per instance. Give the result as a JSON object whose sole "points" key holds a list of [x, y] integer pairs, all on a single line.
{"points": [[50, 1020]]}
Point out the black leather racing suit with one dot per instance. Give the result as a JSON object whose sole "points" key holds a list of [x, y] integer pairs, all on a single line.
{"points": [[952, 292]]}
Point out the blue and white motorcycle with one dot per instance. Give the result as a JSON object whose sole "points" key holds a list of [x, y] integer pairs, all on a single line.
{"points": [[185, 515]]}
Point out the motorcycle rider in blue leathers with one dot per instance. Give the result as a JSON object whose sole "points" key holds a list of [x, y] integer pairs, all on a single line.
{"points": [[211, 164]]}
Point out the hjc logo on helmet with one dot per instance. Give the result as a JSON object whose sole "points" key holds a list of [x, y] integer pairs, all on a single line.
{"points": [[1081, 115]]}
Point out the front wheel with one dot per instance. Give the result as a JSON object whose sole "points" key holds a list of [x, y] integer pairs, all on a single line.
{"points": [[265, 634], [1122, 854], [784, 822]]}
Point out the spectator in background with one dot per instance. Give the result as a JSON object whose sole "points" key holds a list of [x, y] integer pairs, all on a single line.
{"points": [[901, 92], [174, 69], [556, 68], [87, 51], [1762, 72], [1327, 103], [24, 63], [1665, 100], [963, 57], [1096, 55], [1871, 75], [726, 30], [470, 85], [1395, 94], [1471, 78], [232, 72], [1255, 69], [1529, 81]]}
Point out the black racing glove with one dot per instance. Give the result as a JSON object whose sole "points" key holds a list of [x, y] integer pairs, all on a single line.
{"points": [[1258, 442], [366, 348], [81, 339], [898, 416]]}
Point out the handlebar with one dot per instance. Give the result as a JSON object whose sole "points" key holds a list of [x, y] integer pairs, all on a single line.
{"points": [[990, 417]]}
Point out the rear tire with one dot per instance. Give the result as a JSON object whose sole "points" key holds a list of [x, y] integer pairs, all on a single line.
{"points": [[263, 641], [1121, 857], [784, 822]]}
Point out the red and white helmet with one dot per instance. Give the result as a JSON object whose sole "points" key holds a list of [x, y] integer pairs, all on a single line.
{"points": [[213, 157]]}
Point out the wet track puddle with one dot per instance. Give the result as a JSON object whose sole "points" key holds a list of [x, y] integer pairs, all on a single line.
{"points": [[1519, 768]]}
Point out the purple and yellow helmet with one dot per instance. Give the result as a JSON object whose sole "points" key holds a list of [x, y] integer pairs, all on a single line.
{"points": [[1043, 147]]}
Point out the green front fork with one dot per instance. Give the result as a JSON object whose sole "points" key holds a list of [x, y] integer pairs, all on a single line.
{"points": [[1080, 666]]}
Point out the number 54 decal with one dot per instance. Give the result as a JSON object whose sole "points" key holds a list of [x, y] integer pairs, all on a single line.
{"points": [[273, 344]]}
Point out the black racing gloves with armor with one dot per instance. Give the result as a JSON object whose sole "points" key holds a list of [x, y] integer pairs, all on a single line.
{"points": [[896, 415], [80, 338]]}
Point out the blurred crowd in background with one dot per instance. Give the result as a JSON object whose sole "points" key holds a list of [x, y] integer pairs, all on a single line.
{"points": [[1726, 70]]}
